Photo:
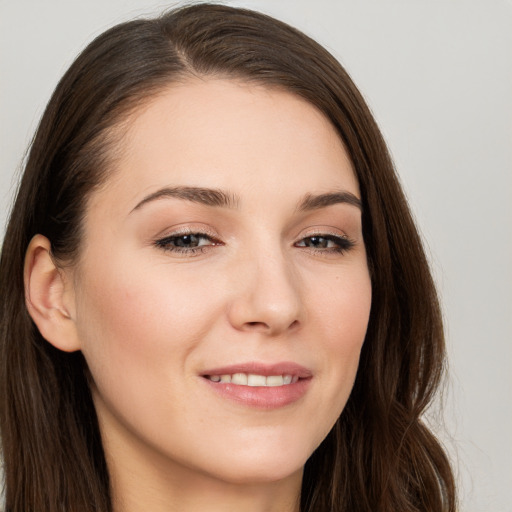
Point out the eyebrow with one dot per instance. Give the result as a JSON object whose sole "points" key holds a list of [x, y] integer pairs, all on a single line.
{"points": [[220, 198], [201, 195], [314, 202]]}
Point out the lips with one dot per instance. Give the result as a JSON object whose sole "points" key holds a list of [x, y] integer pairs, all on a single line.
{"points": [[259, 385], [284, 368], [254, 380]]}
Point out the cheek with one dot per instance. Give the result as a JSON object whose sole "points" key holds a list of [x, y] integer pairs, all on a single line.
{"points": [[139, 325], [134, 299], [343, 308], [135, 325], [341, 315]]}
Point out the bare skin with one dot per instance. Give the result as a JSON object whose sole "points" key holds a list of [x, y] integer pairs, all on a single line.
{"points": [[228, 236]]}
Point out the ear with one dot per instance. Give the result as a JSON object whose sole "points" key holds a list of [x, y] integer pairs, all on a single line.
{"points": [[49, 296]]}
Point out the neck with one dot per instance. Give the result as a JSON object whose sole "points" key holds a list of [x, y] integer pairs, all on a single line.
{"points": [[144, 480], [148, 487], [160, 494]]}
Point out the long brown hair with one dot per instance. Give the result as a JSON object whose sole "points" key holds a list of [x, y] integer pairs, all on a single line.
{"points": [[380, 456]]}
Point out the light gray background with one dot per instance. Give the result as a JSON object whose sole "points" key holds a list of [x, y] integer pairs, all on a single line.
{"points": [[438, 76]]}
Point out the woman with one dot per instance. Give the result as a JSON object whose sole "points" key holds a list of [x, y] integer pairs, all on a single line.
{"points": [[217, 296]]}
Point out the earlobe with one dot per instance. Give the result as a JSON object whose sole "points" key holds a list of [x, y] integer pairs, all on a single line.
{"points": [[48, 297]]}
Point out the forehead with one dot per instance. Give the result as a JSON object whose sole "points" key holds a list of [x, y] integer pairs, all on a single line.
{"points": [[232, 135]]}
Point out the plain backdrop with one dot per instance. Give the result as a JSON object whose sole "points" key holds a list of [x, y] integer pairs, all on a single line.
{"points": [[438, 77]]}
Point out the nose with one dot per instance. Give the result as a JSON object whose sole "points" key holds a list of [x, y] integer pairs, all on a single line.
{"points": [[266, 296]]}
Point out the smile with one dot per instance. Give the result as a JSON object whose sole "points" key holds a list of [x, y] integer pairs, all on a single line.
{"points": [[254, 380], [260, 386]]}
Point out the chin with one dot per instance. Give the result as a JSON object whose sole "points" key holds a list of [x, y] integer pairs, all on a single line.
{"points": [[261, 467], [260, 475]]}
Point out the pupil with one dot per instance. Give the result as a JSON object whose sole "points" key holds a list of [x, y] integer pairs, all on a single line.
{"points": [[318, 241], [187, 241]]}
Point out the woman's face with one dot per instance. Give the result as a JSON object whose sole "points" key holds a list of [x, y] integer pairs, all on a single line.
{"points": [[227, 245]]}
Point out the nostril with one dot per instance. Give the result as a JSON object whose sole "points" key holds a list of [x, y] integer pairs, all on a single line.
{"points": [[257, 325], [269, 327]]}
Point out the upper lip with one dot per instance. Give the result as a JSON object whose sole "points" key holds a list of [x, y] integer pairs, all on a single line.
{"points": [[255, 368]]}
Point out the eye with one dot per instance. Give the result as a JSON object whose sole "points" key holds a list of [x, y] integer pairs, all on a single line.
{"points": [[187, 243], [326, 243]]}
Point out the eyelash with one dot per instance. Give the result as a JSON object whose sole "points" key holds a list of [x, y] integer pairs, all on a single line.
{"points": [[166, 243], [342, 243]]}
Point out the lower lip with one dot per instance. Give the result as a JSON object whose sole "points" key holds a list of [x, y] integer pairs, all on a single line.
{"points": [[264, 397]]}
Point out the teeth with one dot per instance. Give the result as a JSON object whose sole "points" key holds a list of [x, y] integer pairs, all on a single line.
{"points": [[239, 378], [275, 380], [254, 380]]}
